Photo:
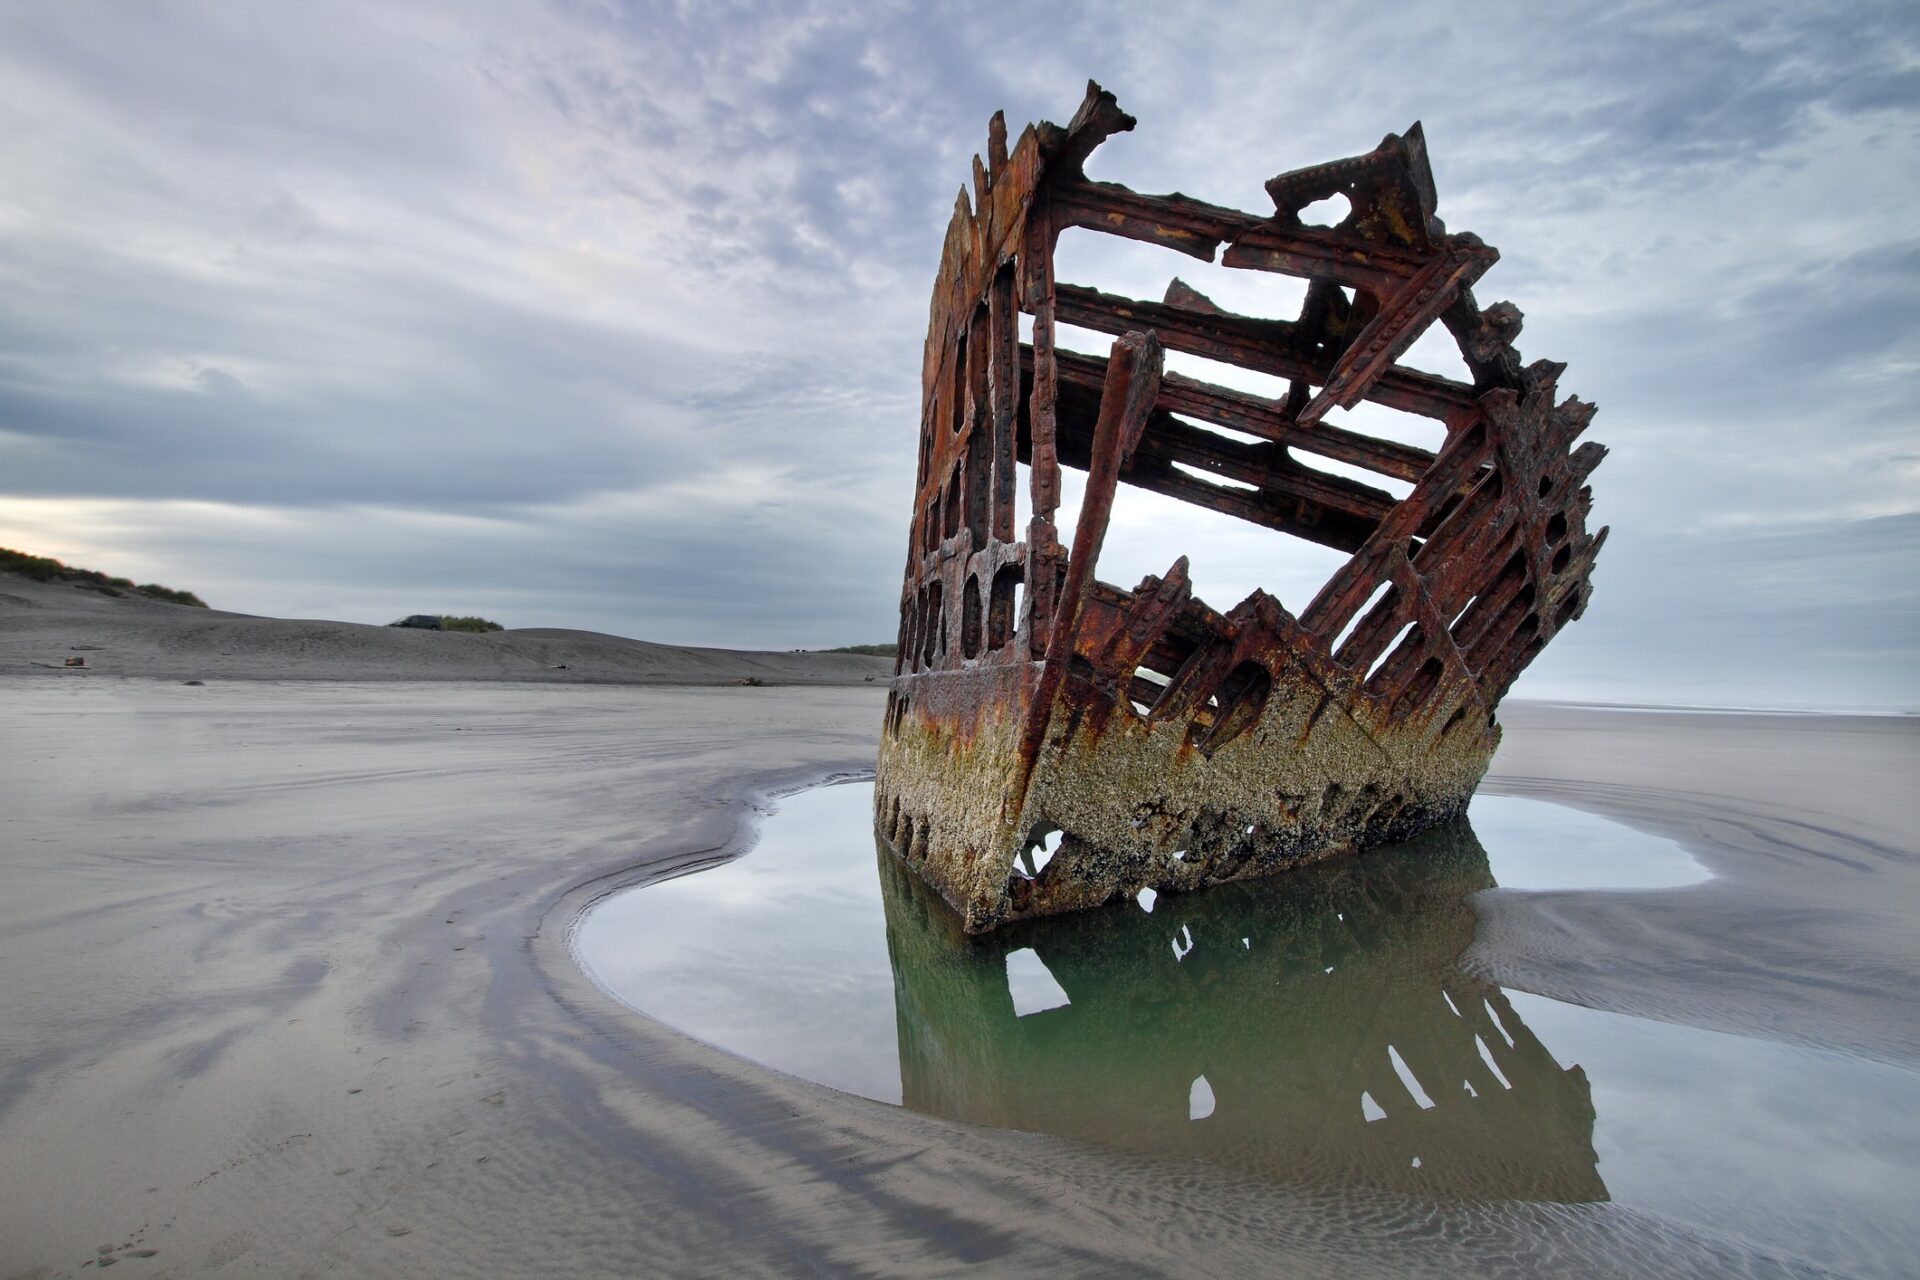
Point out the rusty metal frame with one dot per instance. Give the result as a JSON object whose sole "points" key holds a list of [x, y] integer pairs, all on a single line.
{"points": [[1052, 742]]}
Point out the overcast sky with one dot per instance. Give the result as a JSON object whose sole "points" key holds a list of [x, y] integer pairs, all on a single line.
{"points": [[609, 315]]}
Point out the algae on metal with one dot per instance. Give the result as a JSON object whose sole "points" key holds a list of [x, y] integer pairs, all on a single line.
{"points": [[1170, 745]]}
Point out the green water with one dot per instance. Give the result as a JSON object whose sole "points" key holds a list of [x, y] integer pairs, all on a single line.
{"points": [[1323, 1011], [1318, 1027]]}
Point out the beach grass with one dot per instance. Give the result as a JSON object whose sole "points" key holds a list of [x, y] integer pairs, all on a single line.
{"points": [[47, 569]]}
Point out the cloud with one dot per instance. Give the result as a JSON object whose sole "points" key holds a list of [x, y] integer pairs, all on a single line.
{"points": [[1819, 613], [610, 314]]}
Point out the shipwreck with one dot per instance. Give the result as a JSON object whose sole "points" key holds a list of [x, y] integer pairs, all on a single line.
{"points": [[1053, 742]]}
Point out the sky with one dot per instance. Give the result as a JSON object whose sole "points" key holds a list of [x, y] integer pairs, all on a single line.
{"points": [[609, 315]]}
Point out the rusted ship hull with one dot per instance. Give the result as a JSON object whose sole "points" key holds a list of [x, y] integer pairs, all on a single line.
{"points": [[1170, 745]]}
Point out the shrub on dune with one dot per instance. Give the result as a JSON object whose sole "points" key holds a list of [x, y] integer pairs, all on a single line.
{"points": [[47, 569]]}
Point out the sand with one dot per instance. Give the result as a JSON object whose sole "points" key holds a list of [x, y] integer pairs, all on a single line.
{"points": [[43, 624], [288, 991]]}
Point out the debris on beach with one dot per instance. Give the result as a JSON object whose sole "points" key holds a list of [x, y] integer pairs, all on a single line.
{"points": [[1053, 742]]}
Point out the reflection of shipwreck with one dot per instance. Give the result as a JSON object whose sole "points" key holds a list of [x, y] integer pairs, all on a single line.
{"points": [[1340, 1040], [1173, 745]]}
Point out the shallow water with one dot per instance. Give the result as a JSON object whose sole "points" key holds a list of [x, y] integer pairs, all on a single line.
{"points": [[1314, 1027]]}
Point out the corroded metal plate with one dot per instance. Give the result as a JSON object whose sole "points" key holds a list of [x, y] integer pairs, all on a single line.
{"points": [[1053, 742]]}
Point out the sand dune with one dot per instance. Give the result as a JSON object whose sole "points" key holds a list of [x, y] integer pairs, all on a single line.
{"points": [[43, 624]]}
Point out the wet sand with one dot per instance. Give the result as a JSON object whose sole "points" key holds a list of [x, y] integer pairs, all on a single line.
{"points": [[288, 992]]}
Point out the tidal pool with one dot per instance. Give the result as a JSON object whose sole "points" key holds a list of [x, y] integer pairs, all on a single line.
{"points": [[1313, 1027]]}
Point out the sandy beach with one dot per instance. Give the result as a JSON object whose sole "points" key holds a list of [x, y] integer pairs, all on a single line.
{"points": [[289, 989]]}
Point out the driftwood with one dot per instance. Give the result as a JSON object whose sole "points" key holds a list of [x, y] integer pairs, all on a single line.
{"points": [[1053, 742]]}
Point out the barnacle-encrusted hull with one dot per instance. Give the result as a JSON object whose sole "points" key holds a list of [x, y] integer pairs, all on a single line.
{"points": [[1172, 746]]}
